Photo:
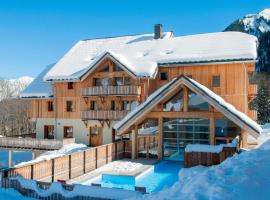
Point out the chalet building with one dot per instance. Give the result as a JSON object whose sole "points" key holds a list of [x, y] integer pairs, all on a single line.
{"points": [[165, 90]]}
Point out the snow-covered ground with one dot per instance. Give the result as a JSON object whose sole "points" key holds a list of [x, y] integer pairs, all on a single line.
{"points": [[11, 194], [243, 176]]}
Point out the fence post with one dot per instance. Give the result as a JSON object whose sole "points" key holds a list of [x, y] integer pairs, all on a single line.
{"points": [[106, 154], [96, 153], [69, 166], [52, 170], [84, 162], [32, 172]]}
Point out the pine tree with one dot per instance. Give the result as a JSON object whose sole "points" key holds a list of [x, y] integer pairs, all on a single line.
{"points": [[262, 102]]}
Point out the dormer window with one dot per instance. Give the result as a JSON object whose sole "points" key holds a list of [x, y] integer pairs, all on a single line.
{"points": [[163, 76]]}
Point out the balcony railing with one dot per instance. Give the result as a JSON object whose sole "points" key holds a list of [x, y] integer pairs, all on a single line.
{"points": [[123, 90], [104, 114]]}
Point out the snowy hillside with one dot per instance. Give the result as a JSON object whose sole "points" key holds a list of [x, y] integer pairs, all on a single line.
{"points": [[13, 87], [255, 24], [258, 25]]}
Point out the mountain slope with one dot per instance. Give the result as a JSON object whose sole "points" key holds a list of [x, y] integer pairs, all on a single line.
{"points": [[13, 87], [258, 25]]}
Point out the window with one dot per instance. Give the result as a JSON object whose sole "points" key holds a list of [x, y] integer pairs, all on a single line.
{"points": [[175, 103], [93, 105], [70, 85], [68, 132], [196, 102], [163, 76], [251, 77], [113, 105], [94, 130], [216, 81], [122, 81], [117, 68], [50, 106], [48, 132], [129, 105], [69, 106], [102, 81], [105, 69]]}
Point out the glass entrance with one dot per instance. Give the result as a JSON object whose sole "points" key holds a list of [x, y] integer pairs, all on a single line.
{"points": [[178, 132]]}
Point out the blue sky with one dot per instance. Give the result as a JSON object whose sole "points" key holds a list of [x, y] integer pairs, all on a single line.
{"points": [[35, 33]]}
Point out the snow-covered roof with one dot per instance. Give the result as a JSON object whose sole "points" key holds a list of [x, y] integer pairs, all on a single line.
{"points": [[215, 100], [38, 88], [142, 54]]}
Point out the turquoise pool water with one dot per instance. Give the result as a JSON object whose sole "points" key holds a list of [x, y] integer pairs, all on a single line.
{"points": [[164, 174]]}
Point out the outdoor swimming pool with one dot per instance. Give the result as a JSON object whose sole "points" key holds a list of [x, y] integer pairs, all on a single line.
{"points": [[164, 174]]}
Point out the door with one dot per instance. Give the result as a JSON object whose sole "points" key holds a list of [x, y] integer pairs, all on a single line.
{"points": [[95, 136], [178, 132]]}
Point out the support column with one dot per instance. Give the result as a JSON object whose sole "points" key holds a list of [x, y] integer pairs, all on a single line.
{"points": [[10, 158], [134, 137], [185, 99], [160, 128], [212, 130], [243, 138]]}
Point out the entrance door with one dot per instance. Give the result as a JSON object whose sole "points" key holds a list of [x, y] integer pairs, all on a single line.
{"points": [[95, 138], [178, 132]]}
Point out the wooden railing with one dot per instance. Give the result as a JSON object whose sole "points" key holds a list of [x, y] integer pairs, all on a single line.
{"points": [[124, 90], [69, 166], [33, 143], [104, 114]]}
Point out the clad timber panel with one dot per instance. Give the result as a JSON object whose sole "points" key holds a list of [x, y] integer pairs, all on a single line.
{"points": [[77, 164], [101, 156], [61, 169], [90, 159], [43, 171]]}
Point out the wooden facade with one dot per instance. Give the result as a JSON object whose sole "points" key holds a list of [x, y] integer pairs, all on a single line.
{"points": [[106, 104]]}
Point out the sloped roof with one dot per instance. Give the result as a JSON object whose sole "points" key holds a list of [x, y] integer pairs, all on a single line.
{"points": [[241, 119], [38, 88], [142, 54]]}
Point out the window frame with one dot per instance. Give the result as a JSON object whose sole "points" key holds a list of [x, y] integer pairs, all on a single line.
{"points": [[161, 77], [66, 133], [50, 106], [69, 106], [70, 85]]}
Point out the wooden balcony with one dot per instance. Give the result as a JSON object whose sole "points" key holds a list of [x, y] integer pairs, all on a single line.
{"points": [[104, 114], [125, 90]]}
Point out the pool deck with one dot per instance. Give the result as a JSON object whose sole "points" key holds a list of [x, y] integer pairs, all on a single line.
{"points": [[142, 165]]}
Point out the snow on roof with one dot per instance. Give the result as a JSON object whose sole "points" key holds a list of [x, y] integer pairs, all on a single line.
{"points": [[38, 87], [211, 97], [142, 54]]}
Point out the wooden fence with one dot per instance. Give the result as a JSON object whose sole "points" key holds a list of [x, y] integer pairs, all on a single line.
{"points": [[69, 166], [207, 159]]}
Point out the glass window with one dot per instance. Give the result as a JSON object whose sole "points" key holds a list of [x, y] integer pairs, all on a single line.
{"points": [[129, 105], [70, 85], [49, 132], [112, 105], [117, 68], [93, 105], [69, 107], [163, 76], [102, 81], [226, 128], [175, 103], [105, 69], [68, 132], [50, 106], [196, 102], [251, 77], [122, 81], [216, 81], [94, 130]]}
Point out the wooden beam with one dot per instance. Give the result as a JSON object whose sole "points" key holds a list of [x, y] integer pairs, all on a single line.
{"points": [[160, 128], [243, 138], [185, 99], [212, 130]]}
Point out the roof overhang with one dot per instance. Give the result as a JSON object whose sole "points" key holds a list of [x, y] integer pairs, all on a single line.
{"points": [[209, 96]]}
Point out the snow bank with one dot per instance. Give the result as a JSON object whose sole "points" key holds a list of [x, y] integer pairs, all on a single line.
{"points": [[244, 176], [67, 149], [10, 194], [89, 191]]}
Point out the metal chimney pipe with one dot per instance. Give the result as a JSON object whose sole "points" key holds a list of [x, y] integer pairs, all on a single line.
{"points": [[158, 31]]}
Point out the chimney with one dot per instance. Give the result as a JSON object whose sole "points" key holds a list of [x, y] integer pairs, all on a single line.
{"points": [[158, 31]]}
